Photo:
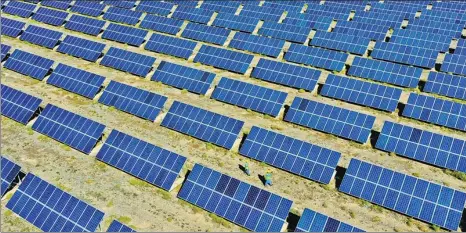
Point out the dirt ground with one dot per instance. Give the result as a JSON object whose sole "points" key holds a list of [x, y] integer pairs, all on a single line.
{"points": [[147, 208]]}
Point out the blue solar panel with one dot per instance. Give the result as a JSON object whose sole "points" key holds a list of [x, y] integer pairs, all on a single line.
{"points": [[125, 34], [123, 60], [49, 16], [338, 13], [69, 128], [236, 22], [28, 64], [257, 44], [138, 102], [193, 80], [290, 154], [91, 8], [191, 3], [387, 72], [86, 49], [121, 15], [312, 221], [418, 198], [444, 16], [41, 36], [286, 74], [365, 30], [18, 105], [317, 57], [161, 24], [121, 3], [193, 14], [331, 119], [289, 6], [205, 125], [455, 6], [405, 54], [284, 31], [263, 13], [446, 84], [199, 32], [11, 27], [170, 45], [84, 24], [461, 47], [341, 42], [221, 6], [436, 27], [62, 4], [9, 172], [155, 7], [52, 209], [241, 203], [438, 111], [454, 63], [76, 80], [388, 20], [224, 59], [5, 49], [418, 39], [307, 20], [117, 226], [424, 146], [20, 9]]}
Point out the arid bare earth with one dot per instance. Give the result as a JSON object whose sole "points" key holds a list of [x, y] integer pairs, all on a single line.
{"points": [[147, 208]]}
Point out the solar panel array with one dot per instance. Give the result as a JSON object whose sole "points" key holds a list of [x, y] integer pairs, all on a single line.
{"points": [[117, 226], [287, 32], [9, 172], [41, 36], [317, 57], [446, 84], [170, 45], [454, 63], [128, 4], [224, 59], [461, 47], [422, 40], [245, 205], [161, 24], [125, 34], [155, 7], [263, 13], [205, 33], [364, 30], [341, 42], [20, 9], [312, 221], [121, 15], [236, 22], [11, 27], [257, 44], [123, 60], [371, 17], [405, 54], [61, 4], [49, 16], [4, 51], [148, 162], [205, 125], [316, 22], [86, 49], [193, 14], [28, 64], [91, 8], [290, 154], [437, 27], [221, 6], [85, 25], [418, 198]]}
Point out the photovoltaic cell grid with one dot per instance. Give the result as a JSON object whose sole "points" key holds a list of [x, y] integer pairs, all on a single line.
{"points": [[424, 146], [170, 45], [454, 63], [41, 36], [18, 105], [148, 162], [455, 6], [11, 27], [364, 30], [62, 4], [290, 154], [316, 22], [257, 44], [263, 13], [387, 72], [338, 13], [161, 24], [155, 7], [4, 51], [221, 6], [250, 96], [28, 64], [418, 39], [418, 198], [446, 84], [125, 34], [190, 3], [199, 32], [363, 93], [239, 202], [193, 14], [86, 49], [121, 3], [52, 209], [461, 47], [405, 54], [205, 125], [341, 42], [284, 31], [224, 59], [133, 100], [438, 111], [444, 16], [321, 58], [76, 80], [312, 221], [49, 16], [121, 15], [327, 118], [123, 60], [71, 129], [9, 172], [388, 20], [84, 24], [117, 226], [20, 9], [90, 8], [289, 6], [182, 77], [436, 27], [236, 22], [286, 74]]}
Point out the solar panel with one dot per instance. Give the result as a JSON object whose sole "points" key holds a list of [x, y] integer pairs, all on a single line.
{"points": [[461, 47], [69, 128], [155, 7], [436, 27], [263, 13], [193, 14], [387, 72], [18, 105], [224, 59], [418, 39], [121, 15], [62, 4], [455, 6], [20, 9], [312, 221], [221, 6], [49, 16], [190, 3], [183, 77], [5, 49], [202, 124], [286, 74], [205, 33], [135, 101], [409, 195], [388, 20], [117, 226], [76, 80], [337, 13], [454, 63], [170, 45], [121, 3], [405, 54], [125, 34], [52, 209], [28, 64], [421, 145], [84, 24], [316, 22], [9, 172], [446, 84], [322, 58], [41, 36], [289, 6], [161, 24], [435, 110], [86, 49], [257, 44], [239, 202], [444, 16], [11, 27], [341, 42], [331, 119], [91, 8], [290, 154], [130, 62], [364, 30], [284, 31], [236, 22]]}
